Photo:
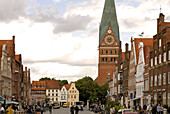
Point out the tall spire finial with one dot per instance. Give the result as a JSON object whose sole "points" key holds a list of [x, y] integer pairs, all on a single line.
{"points": [[160, 9]]}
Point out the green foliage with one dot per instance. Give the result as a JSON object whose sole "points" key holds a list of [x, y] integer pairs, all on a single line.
{"points": [[62, 82], [165, 106], [90, 90], [45, 78], [118, 107], [107, 107]]}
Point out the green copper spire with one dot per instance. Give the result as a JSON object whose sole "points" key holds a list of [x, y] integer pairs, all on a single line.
{"points": [[109, 18]]}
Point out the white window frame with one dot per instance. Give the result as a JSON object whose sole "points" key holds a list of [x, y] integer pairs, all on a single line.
{"points": [[164, 98], [169, 55], [151, 81], [159, 79], [164, 57], [155, 80], [159, 42], [159, 58], [151, 62], [164, 78], [156, 60], [168, 77]]}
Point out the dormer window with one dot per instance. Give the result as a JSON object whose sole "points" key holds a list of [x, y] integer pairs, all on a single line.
{"points": [[72, 87]]}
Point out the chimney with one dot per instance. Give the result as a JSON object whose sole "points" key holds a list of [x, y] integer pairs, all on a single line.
{"points": [[126, 47]]}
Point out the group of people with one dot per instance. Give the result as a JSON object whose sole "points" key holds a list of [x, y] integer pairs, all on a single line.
{"points": [[29, 109], [158, 109], [9, 109], [76, 109]]}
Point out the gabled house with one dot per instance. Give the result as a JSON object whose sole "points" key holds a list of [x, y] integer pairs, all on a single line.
{"points": [[52, 91], [73, 94], [63, 94]]}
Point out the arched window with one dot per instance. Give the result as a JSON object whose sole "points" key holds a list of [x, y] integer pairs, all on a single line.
{"points": [[102, 51], [106, 52], [115, 51], [111, 51]]}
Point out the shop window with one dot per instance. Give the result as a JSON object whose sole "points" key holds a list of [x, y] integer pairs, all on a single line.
{"points": [[164, 98]]}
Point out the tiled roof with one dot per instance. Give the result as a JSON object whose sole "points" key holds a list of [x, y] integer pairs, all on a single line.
{"points": [[52, 84], [146, 41], [40, 85], [67, 86]]}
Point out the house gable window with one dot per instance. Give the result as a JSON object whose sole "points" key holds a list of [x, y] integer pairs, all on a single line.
{"points": [[160, 79], [159, 42]]}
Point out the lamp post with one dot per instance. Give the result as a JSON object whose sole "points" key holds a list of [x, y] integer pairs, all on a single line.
{"points": [[5, 101]]}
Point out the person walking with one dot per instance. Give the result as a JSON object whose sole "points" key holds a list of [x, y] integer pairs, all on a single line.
{"points": [[50, 109], [112, 110], [2, 110], [168, 110], [77, 109], [72, 109], [154, 110], [9, 110], [159, 109], [42, 109]]}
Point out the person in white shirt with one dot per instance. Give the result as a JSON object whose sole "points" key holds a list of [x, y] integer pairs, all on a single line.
{"points": [[2, 109]]}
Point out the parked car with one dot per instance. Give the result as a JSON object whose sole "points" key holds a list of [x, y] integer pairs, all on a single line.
{"points": [[127, 111], [65, 105], [56, 106]]}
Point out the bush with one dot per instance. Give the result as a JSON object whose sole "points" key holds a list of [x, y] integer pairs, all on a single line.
{"points": [[165, 106], [107, 107], [117, 108]]}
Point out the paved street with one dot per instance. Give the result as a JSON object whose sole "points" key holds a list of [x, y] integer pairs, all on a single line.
{"points": [[67, 111]]}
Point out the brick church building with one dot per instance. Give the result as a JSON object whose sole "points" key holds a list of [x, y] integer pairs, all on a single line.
{"points": [[109, 42]]}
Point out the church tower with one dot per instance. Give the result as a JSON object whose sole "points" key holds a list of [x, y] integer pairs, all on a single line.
{"points": [[109, 42]]}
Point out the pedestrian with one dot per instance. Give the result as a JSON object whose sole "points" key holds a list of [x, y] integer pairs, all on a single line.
{"points": [[2, 109], [168, 110], [42, 109], [72, 109], [159, 109], [112, 110], [77, 109], [50, 109], [154, 110], [29, 110], [9, 110]]}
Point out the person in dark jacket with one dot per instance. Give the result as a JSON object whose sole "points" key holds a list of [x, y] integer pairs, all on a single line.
{"points": [[154, 109], [168, 110], [72, 109], [77, 109]]}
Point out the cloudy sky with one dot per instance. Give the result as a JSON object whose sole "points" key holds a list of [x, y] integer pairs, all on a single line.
{"points": [[59, 38]]}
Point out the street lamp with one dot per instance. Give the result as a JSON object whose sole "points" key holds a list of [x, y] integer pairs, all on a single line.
{"points": [[5, 101]]}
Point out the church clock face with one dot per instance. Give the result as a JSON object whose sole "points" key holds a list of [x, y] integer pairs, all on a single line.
{"points": [[109, 39]]}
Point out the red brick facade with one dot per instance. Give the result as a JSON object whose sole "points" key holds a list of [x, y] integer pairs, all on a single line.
{"points": [[108, 58]]}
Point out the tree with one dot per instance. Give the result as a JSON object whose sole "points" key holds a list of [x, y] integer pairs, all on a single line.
{"points": [[90, 90], [45, 78], [62, 82]]}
